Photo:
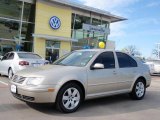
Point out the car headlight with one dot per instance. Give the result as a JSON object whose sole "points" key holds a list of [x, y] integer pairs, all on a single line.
{"points": [[34, 81]]}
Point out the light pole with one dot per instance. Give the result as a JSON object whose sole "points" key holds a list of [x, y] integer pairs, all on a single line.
{"points": [[158, 50]]}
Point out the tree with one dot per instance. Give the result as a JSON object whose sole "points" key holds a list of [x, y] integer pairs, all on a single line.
{"points": [[155, 52], [132, 50]]}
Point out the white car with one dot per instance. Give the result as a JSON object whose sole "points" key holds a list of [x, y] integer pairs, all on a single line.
{"points": [[151, 67], [154, 66], [12, 62]]}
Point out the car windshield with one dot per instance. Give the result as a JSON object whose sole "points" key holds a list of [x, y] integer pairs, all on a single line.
{"points": [[29, 56], [76, 58]]}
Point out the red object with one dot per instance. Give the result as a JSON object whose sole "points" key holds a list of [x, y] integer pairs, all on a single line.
{"points": [[23, 63]]}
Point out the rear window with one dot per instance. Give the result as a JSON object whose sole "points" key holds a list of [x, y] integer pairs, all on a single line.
{"points": [[29, 56]]}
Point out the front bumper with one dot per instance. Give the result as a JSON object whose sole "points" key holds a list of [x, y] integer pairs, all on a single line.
{"points": [[34, 95]]}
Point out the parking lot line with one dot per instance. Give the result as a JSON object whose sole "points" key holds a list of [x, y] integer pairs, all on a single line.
{"points": [[4, 83]]}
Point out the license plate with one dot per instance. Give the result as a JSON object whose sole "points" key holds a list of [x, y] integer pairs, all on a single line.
{"points": [[13, 88], [36, 65]]}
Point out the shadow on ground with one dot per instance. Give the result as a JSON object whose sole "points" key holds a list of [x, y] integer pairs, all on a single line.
{"points": [[106, 106]]}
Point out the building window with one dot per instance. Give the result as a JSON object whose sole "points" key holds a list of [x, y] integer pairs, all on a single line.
{"points": [[78, 20], [86, 39], [52, 50], [29, 12], [26, 32], [7, 46], [16, 33], [9, 29], [105, 24], [10, 9], [96, 22]]}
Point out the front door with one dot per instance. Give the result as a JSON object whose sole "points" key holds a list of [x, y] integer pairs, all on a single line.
{"points": [[104, 80], [52, 54], [52, 50]]}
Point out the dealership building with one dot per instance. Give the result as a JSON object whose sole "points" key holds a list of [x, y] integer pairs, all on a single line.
{"points": [[44, 26]]}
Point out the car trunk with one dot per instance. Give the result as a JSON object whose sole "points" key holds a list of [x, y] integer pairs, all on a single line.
{"points": [[33, 62]]}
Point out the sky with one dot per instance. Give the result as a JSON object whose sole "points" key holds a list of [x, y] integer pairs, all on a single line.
{"points": [[142, 29]]}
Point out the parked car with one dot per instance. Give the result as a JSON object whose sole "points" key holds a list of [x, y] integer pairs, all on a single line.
{"points": [[82, 75], [12, 62], [154, 66], [151, 67]]}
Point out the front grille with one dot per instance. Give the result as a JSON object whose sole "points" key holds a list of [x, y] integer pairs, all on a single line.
{"points": [[28, 98], [23, 97], [18, 79]]}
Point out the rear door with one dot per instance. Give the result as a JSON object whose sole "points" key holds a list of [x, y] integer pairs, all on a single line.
{"points": [[127, 71]]}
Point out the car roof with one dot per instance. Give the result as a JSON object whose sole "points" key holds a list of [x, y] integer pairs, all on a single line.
{"points": [[20, 52], [96, 50], [102, 50]]}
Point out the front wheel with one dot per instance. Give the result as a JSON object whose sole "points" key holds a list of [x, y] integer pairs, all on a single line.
{"points": [[69, 98], [139, 90]]}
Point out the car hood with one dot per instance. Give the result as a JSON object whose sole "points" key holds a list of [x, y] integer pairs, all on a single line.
{"points": [[46, 70]]}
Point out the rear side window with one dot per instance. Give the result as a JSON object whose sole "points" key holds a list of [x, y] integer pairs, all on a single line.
{"points": [[11, 56], [125, 60], [107, 59], [29, 56]]}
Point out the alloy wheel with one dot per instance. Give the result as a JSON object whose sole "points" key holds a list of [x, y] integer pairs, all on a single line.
{"points": [[140, 89], [71, 98]]}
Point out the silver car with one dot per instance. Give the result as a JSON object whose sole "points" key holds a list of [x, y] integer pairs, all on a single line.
{"points": [[12, 62], [82, 75]]}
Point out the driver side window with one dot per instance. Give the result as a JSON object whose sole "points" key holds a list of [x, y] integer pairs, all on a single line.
{"points": [[107, 59]]}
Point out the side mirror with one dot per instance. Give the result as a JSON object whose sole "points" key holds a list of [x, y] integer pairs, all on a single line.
{"points": [[98, 66]]}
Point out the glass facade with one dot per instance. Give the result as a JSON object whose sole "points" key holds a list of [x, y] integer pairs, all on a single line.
{"points": [[52, 50], [10, 9], [87, 39], [16, 25]]}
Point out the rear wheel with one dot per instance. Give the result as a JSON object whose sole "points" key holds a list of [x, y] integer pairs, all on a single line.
{"points": [[10, 73], [139, 90], [69, 98]]}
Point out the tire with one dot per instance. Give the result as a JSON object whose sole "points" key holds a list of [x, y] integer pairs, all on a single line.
{"points": [[139, 90], [69, 98], [10, 73]]}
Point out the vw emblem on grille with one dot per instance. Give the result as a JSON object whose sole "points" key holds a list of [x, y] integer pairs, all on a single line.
{"points": [[55, 22]]}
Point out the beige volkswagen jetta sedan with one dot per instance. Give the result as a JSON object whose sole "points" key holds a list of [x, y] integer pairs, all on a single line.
{"points": [[81, 75]]}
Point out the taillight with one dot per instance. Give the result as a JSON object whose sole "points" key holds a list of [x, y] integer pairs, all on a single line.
{"points": [[23, 63]]}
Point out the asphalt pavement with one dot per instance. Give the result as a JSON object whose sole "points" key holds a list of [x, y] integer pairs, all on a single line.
{"points": [[119, 107]]}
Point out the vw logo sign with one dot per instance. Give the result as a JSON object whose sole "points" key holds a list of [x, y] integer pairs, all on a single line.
{"points": [[55, 22]]}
